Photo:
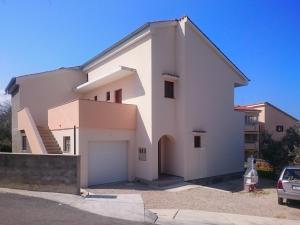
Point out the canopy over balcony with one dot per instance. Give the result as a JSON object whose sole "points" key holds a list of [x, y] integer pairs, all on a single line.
{"points": [[111, 76]]}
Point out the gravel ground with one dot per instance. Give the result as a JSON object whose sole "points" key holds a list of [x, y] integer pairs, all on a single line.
{"points": [[226, 197]]}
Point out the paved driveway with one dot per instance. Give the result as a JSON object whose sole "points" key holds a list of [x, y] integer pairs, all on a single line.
{"points": [[23, 210], [226, 197]]}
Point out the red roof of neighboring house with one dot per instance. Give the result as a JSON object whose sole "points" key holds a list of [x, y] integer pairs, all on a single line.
{"points": [[253, 107], [245, 108]]}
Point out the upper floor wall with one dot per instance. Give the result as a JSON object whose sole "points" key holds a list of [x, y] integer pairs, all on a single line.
{"points": [[277, 122], [39, 92], [273, 120]]}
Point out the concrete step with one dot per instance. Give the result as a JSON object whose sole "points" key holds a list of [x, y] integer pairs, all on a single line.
{"points": [[49, 141], [56, 152], [53, 148]]}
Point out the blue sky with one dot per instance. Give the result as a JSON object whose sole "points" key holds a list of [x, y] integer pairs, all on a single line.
{"points": [[261, 37]]}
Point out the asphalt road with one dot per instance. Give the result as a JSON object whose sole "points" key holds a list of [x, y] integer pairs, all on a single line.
{"points": [[23, 210]]}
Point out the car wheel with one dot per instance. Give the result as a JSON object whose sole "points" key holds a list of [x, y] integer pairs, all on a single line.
{"points": [[280, 201]]}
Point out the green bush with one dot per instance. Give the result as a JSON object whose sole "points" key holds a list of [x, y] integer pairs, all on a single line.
{"points": [[267, 175]]}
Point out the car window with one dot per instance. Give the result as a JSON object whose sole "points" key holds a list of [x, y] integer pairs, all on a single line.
{"points": [[291, 174]]}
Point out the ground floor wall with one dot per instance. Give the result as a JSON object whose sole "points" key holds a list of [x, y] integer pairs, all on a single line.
{"points": [[87, 136], [222, 150], [74, 140]]}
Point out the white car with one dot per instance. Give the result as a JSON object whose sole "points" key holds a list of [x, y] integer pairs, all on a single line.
{"points": [[288, 185]]}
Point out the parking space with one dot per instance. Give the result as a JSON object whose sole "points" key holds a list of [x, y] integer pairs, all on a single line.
{"points": [[227, 197]]}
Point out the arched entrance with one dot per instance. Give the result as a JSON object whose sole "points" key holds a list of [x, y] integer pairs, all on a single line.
{"points": [[166, 165]]}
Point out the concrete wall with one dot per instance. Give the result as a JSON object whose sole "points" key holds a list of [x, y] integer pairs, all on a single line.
{"points": [[166, 118], [53, 173], [209, 105], [137, 90], [27, 124], [87, 136], [39, 92], [204, 100], [15, 133], [59, 135]]}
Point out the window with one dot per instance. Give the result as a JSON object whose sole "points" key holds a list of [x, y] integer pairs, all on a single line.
{"points": [[67, 143], [118, 96], [197, 141], [96, 98], [142, 154], [251, 120], [250, 138], [169, 89], [291, 174], [108, 96], [24, 143], [279, 128]]}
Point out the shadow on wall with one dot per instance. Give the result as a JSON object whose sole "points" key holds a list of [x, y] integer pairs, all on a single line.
{"points": [[143, 162], [135, 88]]}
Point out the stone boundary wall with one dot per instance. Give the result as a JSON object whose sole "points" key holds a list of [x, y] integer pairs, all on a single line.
{"points": [[50, 173]]}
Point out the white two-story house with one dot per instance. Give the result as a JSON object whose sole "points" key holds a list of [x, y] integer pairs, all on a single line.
{"points": [[159, 101]]}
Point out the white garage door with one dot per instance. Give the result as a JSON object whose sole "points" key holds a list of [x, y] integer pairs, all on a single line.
{"points": [[107, 162]]}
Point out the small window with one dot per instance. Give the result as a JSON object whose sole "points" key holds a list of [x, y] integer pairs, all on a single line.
{"points": [[169, 89], [197, 141], [108, 96], [24, 143], [67, 143], [279, 128], [96, 98], [142, 154]]}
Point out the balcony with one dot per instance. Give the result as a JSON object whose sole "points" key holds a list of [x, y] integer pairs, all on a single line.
{"points": [[252, 127], [92, 114], [252, 146]]}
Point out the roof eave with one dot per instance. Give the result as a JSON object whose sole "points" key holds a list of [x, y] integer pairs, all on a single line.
{"points": [[10, 84]]}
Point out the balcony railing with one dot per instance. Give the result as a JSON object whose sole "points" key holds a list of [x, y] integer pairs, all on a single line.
{"points": [[92, 114], [252, 127], [252, 146]]}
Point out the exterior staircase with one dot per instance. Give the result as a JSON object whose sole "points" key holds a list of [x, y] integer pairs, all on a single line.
{"points": [[49, 141]]}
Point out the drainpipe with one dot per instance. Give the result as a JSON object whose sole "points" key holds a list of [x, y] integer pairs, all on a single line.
{"points": [[74, 140]]}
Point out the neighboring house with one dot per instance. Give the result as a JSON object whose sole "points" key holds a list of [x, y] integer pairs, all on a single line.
{"points": [[273, 120], [160, 101], [264, 117], [251, 130]]}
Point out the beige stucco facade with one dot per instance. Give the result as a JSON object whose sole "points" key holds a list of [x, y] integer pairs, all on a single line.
{"points": [[161, 128], [38, 93], [270, 117], [251, 130], [264, 118]]}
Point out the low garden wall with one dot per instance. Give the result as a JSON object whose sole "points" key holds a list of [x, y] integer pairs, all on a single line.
{"points": [[51, 173]]}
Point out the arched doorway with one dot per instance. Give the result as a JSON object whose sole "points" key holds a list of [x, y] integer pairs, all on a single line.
{"points": [[166, 155]]}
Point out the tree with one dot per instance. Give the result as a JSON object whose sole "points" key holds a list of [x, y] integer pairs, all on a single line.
{"points": [[281, 153], [5, 127]]}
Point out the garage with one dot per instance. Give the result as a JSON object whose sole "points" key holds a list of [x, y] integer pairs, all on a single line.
{"points": [[107, 162]]}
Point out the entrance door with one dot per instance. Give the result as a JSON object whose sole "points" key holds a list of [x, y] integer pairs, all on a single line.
{"points": [[118, 96]]}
